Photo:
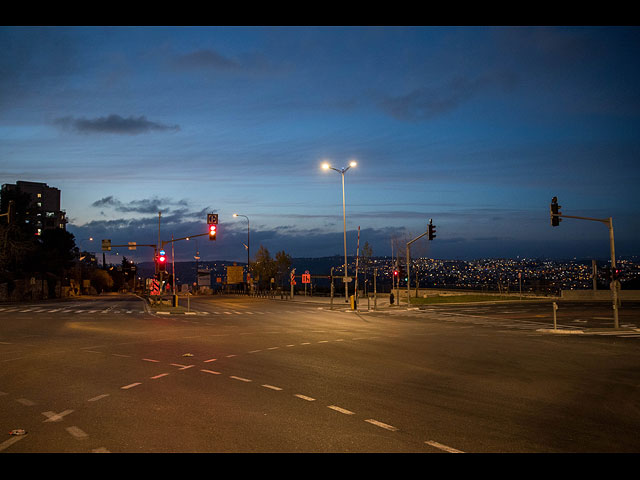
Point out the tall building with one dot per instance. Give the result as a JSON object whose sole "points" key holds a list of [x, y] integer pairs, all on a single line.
{"points": [[42, 212]]}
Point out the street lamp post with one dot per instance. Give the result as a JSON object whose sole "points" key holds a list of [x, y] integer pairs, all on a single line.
{"points": [[248, 233], [342, 171]]}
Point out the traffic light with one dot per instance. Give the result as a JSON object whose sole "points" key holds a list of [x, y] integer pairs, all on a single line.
{"points": [[395, 272], [616, 274], [555, 211], [162, 261], [432, 231], [213, 230]]}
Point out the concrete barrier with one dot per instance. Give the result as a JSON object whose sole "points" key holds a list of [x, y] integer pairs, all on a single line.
{"points": [[599, 295]]}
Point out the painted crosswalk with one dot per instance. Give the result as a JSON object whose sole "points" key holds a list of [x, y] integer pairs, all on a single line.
{"points": [[66, 310]]}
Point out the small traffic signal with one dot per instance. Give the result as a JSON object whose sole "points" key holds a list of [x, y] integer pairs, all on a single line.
{"points": [[213, 230], [432, 231], [616, 273], [555, 211], [395, 272], [162, 261]]}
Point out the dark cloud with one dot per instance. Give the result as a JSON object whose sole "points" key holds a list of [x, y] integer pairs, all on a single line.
{"points": [[145, 205], [206, 59], [210, 60], [113, 124], [430, 101]]}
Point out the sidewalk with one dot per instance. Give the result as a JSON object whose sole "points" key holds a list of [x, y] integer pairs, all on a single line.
{"points": [[364, 303]]}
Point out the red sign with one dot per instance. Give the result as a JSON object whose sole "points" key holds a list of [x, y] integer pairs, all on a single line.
{"points": [[306, 278]]}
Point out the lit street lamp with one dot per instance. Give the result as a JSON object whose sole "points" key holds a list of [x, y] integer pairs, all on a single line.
{"points": [[342, 171], [248, 232]]}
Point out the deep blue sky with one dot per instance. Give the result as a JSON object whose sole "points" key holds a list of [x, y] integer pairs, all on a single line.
{"points": [[475, 127]]}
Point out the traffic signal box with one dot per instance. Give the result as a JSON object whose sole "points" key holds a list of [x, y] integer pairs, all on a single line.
{"points": [[432, 231], [162, 261], [555, 211], [213, 231]]}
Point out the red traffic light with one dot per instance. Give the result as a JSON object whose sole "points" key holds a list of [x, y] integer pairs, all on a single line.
{"points": [[162, 259], [395, 273], [212, 231]]}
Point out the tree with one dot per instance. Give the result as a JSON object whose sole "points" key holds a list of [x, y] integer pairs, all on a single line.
{"points": [[57, 251], [264, 267], [283, 264], [101, 280]]}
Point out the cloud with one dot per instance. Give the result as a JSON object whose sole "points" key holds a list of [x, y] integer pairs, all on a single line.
{"points": [[430, 101], [145, 205], [113, 124], [211, 60]]}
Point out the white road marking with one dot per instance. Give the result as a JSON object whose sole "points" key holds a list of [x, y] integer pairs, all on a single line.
{"points": [[341, 410], [76, 432], [304, 397], [159, 376], [131, 385], [381, 425], [11, 441], [210, 360], [55, 417], [240, 378], [99, 397], [442, 447], [25, 401], [182, 367], [150, 360], [211, 371], [271, 387]]}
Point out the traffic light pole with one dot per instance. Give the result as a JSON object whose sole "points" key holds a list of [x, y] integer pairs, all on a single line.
{"points": [[408, 272], [614, 287]]}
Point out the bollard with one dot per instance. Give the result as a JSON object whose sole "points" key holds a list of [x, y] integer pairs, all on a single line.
{"points": [[555, 307]]}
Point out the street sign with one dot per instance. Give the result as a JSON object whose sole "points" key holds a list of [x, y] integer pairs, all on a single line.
{"points": [[234, 274], [306, 278], [106, 245], [155, 287], [212, 218], [347, 279]]}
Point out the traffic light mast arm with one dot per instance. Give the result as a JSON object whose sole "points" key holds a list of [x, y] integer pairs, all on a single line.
{"points": [[164, 242], [603, 220]]}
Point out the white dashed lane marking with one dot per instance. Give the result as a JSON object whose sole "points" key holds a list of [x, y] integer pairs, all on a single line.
{"points": [[442, 447]]}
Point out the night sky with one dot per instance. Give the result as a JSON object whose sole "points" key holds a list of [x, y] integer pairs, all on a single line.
{"points": [[474, 127]]}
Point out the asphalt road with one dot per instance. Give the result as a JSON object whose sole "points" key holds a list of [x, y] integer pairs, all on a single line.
{"points": [[102, 374]]}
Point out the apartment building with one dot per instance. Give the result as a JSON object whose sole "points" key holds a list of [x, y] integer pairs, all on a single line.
{"points": [[42, 212]]}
